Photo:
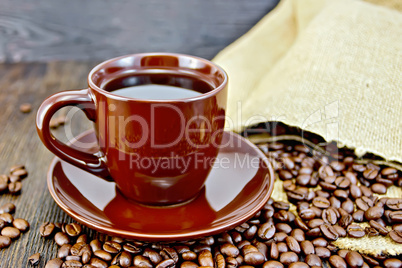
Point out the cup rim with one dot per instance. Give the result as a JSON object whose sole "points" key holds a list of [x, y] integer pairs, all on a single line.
{"points": [[108, 94]]}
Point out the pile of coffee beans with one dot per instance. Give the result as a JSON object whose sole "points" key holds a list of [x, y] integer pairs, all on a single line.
{"points": [[333, 193], [12, 183], [327, 199], [10, 227]]}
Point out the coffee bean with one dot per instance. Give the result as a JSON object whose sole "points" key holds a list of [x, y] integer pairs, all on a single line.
{"points": [[10, 232], [272, 264], [296, 195], [370, 174], [63, 251], [396, 236], [205, 258], [320, 242], [396, 216], [46, 229], [325, 171], [3, 182], [106, 256], [387, 183], [101, 264], [298, 234], [303, 179], [348, 206], [322, 252], [329, 232], [274, 252], [292, 244], [21, 224], [172, 254], [341, 194], [307, 247], [15, 187], [219, 261], [142, 262], [335, 203], [7, 218], [287, 258], [34, 259], [366, 191], [285, 174], [341, 231], [266, 231], [283, 227], [61, 238], [25, 108], [394, 203], [5, 241], [298, 265], [342, 182], [364, 203], [374, 213], [123, 259], [379, 188], [168, 263], [313, 260], [358, 215], [355, 191], [155, 257], [397, 227], [73, 229], [354, 259], [254, 258], [371, 261], [355, 230], [280, 205], [381, 229], [111, 247], [329, 215], [289, 185], [7, 208], [19, 172], [315, 223], [229, 250], [307, 214], [337, 262], [54, 263], [315, 232], [282, 247], [189, 256], [301, 224], [71, 264], [393, 263], [327, 186], [82, 238], [345, 220], [281, 215]]}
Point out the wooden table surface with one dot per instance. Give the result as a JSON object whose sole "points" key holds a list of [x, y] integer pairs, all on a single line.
{"points": [[20, 144]]}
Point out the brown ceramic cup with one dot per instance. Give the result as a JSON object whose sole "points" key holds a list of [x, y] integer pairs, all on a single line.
{"points": [[159, 152]]}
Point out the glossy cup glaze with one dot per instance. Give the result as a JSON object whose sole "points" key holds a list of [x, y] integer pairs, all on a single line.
{"points": [[143, 142]]}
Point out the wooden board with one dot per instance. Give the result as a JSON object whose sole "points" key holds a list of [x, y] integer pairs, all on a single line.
{"points": [[101, 29], [19, 143]]}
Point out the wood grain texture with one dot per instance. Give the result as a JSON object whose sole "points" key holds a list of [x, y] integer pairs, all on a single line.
{"points": [[19, 143], [101, 29]]}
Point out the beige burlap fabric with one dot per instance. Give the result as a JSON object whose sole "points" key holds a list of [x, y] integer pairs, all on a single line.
{"points": [[333, 67]]}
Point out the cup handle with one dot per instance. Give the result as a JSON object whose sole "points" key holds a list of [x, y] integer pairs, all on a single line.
{"points": [[93, 163]]}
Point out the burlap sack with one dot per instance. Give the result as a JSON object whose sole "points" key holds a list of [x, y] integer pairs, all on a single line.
{"points": [[331, 67]]}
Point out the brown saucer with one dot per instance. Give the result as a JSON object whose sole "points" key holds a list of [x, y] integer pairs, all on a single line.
{"points": [[240, 183]]}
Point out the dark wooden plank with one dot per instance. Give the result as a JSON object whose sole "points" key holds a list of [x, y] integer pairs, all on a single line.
{"points": [[101, 29], [19, 143]]}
